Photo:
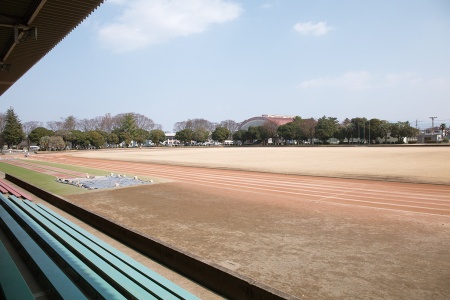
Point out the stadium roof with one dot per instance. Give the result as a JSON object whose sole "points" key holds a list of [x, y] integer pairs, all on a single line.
{"points": [[29, 29], [260, 121]]}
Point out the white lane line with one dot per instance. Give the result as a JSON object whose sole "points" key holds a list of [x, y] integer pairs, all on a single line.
{"points": [[275, 187], [413, 195], [322, 181], [203, 181], [293, 193]]}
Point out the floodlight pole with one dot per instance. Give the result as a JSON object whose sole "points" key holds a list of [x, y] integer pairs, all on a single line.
{"points": [[432, 124]]}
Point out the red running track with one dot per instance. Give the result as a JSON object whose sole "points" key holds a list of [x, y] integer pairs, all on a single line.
{"points": [[407, 197]]}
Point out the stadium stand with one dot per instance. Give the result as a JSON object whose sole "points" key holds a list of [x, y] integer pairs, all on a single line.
{"points": [[75, 264], [6, 188], [12, 284]]}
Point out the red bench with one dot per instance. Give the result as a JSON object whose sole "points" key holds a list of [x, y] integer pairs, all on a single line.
{"points": [[3, 190], [6, 188]]}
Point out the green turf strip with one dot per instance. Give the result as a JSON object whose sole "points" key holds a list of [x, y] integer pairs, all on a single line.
{"points": [[47, 182], [95, 172], [43, 181]]}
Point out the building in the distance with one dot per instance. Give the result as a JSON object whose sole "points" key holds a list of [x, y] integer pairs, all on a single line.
{"points": [[431, 135], [260, 121]]}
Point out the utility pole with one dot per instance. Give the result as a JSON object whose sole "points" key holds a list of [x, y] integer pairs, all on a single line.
{"points": [[364, 132], [432, 124]]}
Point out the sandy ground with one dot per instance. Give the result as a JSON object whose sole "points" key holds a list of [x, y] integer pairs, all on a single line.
{"points": [[312, 250], [314, 238], [420, 164], [311, 237]]}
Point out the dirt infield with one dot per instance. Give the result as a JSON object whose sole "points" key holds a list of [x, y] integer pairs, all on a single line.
{"points": [[420, 164], [315, 238]]}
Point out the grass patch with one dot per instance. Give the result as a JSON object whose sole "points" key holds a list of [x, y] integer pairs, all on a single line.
{"points": [[48, 183], [43, 181], [95, 172], [90, 171]]}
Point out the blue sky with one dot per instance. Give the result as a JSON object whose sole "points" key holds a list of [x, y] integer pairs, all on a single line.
{"points": [[219, 59]]}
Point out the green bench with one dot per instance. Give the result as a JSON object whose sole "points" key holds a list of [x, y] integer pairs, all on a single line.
{"points": [[143, 276], [12, 284], [49, 273], [85, 264], [134, 282], [98, 269]]}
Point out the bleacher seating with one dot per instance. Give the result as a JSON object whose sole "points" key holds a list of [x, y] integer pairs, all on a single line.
{"points": [[75, 264], [12, 284], [137, 271], [3, 190], [49, 274], [6, 188]]}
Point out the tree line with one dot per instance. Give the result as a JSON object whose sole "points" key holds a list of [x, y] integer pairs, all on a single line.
{"points": [[80, 134], [201, 130], [356, 130], [126, 128], [103, 131]]}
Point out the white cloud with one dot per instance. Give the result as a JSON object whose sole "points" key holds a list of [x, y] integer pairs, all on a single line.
{"points": [[350, 80], [310, 28], [268, 4], [402, 78], [147, 22], [363, 80]]}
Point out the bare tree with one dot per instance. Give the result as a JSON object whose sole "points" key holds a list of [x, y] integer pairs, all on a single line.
{"points": [[309, 126], [2, 121], [117, 121], [194, 124], [200, 124], [106, 123], [2, 127], [30, 126], [179, 126], [55, 125], [69, 123], [143, 122], [231, 125], [88, 124], [271, 129]]}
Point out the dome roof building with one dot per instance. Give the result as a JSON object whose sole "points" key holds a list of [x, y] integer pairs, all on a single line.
{"points": [[260, 121]]}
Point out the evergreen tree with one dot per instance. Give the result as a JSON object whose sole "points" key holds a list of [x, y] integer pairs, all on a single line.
{"points": [[112, 139], [95, 139], [221, 134], [157, 136], [12, 133], [127, 129], [35, 135], [326, 128], [184, 135], [141, 135], [239, 136]]}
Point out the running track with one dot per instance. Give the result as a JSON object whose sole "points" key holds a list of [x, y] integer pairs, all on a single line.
{"points": [[406, 197]]}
